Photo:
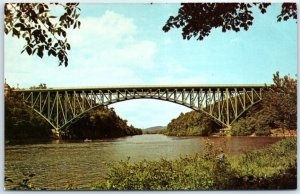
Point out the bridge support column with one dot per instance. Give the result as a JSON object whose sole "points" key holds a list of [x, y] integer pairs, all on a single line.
{"points": [[226, 131], [55, 133]]}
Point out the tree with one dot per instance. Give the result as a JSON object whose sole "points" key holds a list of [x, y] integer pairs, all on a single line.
{"points": [[198, 19], [23, 123], [100, 122], [42, 31], [41, 86], [280, 102], [278, 109]]}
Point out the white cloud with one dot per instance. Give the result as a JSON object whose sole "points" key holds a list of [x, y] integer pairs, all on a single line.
{"points": [[109, 29], [140, 54], [105, 51], [110, 40]]}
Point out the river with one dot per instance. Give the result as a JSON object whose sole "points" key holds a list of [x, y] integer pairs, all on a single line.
{"points": [[59, 163]]}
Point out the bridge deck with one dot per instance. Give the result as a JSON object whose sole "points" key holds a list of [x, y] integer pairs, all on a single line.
{"points": [[147, 87]]}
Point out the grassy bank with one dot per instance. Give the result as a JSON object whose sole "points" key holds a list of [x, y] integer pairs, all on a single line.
{"points": [[260, 169], [274, 167]]}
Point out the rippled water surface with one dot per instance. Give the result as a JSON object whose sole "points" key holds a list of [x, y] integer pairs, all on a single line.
{"points": [[59, 163]]}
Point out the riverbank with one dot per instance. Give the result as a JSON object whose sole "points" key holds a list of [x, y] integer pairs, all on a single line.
{"points": [[65, 162], [278, 132], [283, 133], [260, 169], [187, 163]]}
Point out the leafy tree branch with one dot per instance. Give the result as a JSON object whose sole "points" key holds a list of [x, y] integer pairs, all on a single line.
{"points": [[198, 19], [43, 32]]}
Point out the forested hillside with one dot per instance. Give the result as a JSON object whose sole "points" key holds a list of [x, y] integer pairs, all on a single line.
{"points": [[23, 123], [277, 110], [101, 123], [191, 123]]}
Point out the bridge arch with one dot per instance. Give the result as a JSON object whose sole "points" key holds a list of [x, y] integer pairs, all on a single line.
{"points": [[223, 104], [119, 101]]}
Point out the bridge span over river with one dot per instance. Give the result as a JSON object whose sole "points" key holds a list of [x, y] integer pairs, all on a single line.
{"points": [[64, 106]]}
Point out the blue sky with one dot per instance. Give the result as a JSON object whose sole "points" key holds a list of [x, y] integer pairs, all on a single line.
{"points": [[123, 44]]}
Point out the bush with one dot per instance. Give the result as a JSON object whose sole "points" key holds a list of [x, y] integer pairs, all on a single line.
{"points": [[188, 173], [243, 127], [256, 124], [274, 167], [262, 169]]}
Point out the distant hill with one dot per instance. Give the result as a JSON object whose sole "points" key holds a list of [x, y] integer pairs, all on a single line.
{"points": [[154, 128]]}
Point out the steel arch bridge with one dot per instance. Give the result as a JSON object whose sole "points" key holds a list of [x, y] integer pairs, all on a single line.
{"points": [[63, 106]]}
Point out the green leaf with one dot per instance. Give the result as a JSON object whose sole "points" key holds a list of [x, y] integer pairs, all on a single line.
{"points": [[68, 46], [64, 33], [51, 52], [41, 8], [40, 52], [16, 32], [279, 19], [60, 56], [29, 50], [20, 25]]}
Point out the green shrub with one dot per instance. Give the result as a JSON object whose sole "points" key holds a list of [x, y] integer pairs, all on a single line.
{"points": [[274, 167], [188, 173], [267, 164], [243, 127], [251, 125], [261, 169]]}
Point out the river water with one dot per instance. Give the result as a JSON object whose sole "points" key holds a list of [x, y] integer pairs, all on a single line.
{"points": [[60, 163]]}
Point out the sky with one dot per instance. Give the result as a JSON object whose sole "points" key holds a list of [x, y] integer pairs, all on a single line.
{"points": [[123, 44]]}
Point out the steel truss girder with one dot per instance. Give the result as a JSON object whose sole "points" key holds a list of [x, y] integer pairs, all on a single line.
{"points": [[222, 104]]}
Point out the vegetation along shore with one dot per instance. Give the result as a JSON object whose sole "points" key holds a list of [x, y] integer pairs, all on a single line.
{"points": [[212, 170]]}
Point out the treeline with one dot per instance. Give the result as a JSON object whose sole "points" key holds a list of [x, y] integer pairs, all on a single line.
{"points": [[191, 123], [102, 122], [158, 131], [277, 110], [23, 123]]}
